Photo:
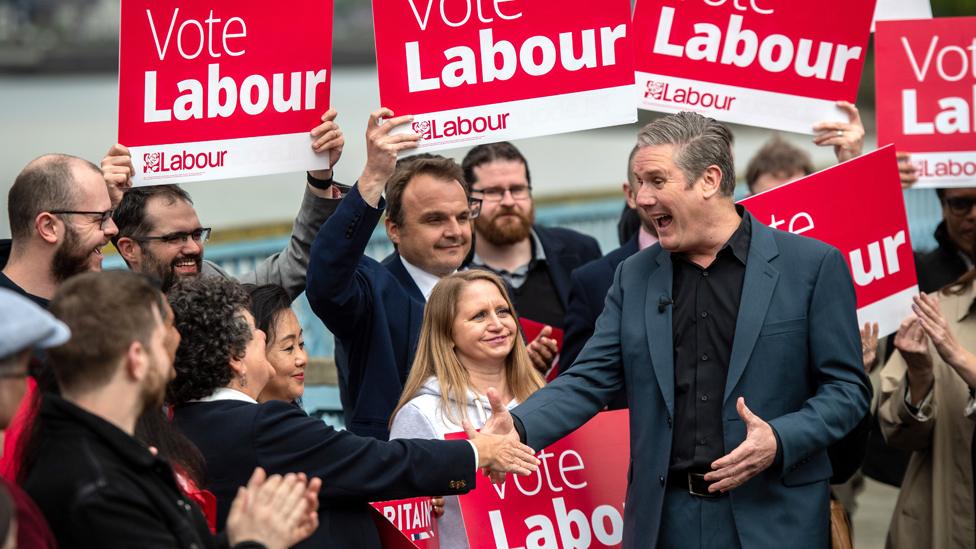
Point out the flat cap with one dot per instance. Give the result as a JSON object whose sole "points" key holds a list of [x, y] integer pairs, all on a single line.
{"points": [[25, 325]]}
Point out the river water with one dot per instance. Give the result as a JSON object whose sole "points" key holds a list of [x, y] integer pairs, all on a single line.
{"points": [[78, 115]]}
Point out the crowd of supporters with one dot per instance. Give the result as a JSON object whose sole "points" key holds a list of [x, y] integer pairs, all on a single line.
{"points": [[160, 406]]}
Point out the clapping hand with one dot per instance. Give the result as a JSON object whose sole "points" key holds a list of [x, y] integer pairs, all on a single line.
{"points": [[936, 327], [869, 345], [543, 350], [277, 511]]}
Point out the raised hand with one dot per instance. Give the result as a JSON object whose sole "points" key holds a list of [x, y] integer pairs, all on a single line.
{"points": [[117, 172], [906, 170], [327, 137], [382, 149], [846, 138], [869, 345], [753, 456], [542, 350]]}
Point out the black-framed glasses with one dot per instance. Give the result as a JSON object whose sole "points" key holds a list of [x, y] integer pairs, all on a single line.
{"points": [[197, 235], [496, 194], [103, 217], [960, 205], [474, 207]]}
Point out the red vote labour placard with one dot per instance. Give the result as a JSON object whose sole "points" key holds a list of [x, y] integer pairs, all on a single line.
{"points": [[858, 208], [217, 89], [480, 71], [780, 65], [926, 96], [575, 499]]}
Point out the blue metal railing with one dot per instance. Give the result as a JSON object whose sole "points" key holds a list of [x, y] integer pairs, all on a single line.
{"points": [[597, 218]]}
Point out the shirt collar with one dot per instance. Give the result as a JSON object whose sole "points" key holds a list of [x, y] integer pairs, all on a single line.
{"points": [[425, 281], [226, 393], [738, 243]]}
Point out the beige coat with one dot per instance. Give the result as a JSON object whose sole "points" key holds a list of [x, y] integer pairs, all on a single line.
{"points": [[935, 505]]}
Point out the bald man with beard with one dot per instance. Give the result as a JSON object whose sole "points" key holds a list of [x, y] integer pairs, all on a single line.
{"points": [[60, 219]]}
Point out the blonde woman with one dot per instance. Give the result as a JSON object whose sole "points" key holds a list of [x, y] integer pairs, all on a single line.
{"points": [[469, 342]]}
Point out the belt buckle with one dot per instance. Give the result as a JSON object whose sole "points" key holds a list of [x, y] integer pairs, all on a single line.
{"points": [[696, 482]]}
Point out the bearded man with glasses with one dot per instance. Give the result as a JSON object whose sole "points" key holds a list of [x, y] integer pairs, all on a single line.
{"points": [[955, 236], [60, 219], [161, 235]]}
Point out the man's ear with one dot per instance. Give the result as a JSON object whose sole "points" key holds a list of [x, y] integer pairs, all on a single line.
{"points": [[129, 249], [711, 181], [630, 194], [392, 231], [137, 361], [47, 227]]}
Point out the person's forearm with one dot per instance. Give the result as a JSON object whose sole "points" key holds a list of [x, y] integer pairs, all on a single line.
{"points": [[964, 363], [919, 384], [371, 187]]}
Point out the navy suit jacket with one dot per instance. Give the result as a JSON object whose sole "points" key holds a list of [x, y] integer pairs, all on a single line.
{"points": [[235, 437], [566, 250], [373, 309], [796, 359], [589, 285]]}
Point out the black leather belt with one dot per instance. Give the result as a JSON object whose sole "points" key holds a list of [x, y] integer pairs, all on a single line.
{"points": [[695, 483]]}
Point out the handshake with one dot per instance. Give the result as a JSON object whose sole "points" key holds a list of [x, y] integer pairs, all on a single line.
{"points": [[499, 449]]}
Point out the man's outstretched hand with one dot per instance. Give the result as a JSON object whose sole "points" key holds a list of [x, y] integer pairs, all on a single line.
{"points": [[753, 456], [499, 449]]}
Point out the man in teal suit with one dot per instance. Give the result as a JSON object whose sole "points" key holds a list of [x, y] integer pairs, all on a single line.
{"points": [[738, 348]]}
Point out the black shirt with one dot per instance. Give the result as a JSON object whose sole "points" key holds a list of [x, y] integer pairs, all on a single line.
{"points": [[100, 487], [5, 282], [705, 308]]}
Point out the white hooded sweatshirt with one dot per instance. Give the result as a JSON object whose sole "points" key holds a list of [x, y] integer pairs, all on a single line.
{"points": [[422, 417]]}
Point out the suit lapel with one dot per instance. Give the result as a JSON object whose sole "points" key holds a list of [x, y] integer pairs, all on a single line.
{"points": [[555, 254], [395, 265], [660, 341], [757, 291]]}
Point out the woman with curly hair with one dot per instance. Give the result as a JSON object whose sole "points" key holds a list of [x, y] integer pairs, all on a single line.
{"points": [[469, 342], [221, 369], [285, 345]]}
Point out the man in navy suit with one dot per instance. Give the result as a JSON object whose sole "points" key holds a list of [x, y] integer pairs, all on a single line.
{"points": [[724, 311], [535, 261], [375, 309]]}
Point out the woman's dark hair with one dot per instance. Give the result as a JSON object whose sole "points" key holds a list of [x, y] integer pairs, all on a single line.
{"points": [[207, 313], [155, 429], [267, 303]]}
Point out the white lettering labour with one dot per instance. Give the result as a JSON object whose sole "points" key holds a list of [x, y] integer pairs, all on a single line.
{"points": [[499, 60], [952, 64], [217, 96], [743, 48]]}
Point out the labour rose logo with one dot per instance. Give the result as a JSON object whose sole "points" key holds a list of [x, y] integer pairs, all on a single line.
{"points": [[423, 128], [152, 162], [655, 90]]}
